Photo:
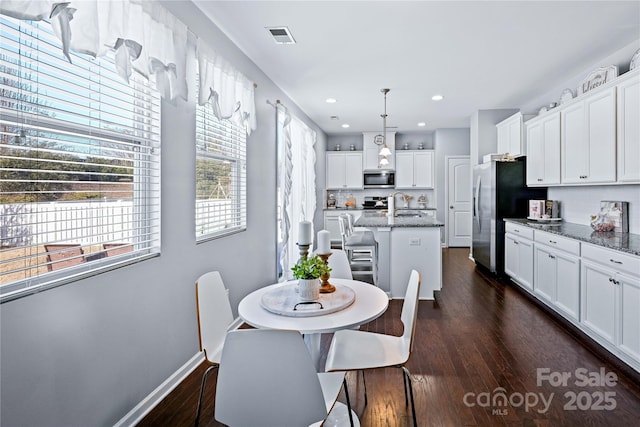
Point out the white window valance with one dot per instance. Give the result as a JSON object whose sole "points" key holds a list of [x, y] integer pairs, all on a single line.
{"points": [[230, 92], [144, 35]]}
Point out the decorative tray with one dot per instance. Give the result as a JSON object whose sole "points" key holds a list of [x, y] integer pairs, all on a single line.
{"points": [[530, 218], [285, 301]]}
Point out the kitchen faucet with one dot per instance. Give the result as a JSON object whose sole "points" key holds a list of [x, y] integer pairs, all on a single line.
{"points": [[391, 204]]}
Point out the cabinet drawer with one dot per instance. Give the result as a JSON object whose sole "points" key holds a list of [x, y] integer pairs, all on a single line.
{"points": [[555, 241], [624, 263], [519, 230]]}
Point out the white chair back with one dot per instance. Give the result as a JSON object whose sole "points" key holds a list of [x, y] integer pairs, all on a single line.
{"points": [[214, 314], [349, 223], [342, 223], [409, 313], [267, 378], [339, 263]]}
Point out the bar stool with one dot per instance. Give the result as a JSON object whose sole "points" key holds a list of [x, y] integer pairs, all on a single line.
{"points": [[361, 248]]}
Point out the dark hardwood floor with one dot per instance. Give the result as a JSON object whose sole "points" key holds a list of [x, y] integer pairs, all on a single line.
{"points": [[480, 342]]}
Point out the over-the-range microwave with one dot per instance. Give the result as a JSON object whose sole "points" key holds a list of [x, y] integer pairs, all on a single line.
{"points": [[379, 179]]}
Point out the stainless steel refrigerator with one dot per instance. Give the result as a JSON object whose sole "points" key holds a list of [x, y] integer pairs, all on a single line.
{"points": [[499, 191]]}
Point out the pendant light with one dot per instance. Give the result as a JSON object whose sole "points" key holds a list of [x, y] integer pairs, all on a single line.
{"points": [[384, 151]]}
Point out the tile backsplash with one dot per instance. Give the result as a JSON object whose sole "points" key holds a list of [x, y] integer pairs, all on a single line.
{"points": [[579, 203]]}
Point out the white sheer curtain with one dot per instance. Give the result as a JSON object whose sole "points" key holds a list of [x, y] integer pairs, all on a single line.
{"points": [[230, 92], [144, 35], [296, 183]]}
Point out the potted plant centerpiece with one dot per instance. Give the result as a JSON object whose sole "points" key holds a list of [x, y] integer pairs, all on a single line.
{"points": [[308, 272]]}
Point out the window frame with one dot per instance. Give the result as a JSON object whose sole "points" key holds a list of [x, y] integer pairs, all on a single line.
{"points": [[145, 208]]}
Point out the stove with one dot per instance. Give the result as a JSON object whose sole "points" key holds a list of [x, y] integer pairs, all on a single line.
{"points": [[375, 202]]}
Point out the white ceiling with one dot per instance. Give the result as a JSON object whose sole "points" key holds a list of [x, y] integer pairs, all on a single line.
{"points": [[478, 54]]}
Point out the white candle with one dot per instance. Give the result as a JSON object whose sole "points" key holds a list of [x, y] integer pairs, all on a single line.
{"points": [[324, 245], [304, 233]]}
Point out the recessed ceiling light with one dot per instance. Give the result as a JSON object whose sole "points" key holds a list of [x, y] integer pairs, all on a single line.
{"points": [[345, 125], [437, 97], [334, 118], [330, 100], [421, 124]]}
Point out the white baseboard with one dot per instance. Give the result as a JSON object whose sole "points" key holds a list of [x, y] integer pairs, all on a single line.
{"points": [[148, 403]]}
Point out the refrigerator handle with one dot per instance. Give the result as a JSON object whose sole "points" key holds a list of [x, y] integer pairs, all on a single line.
{"points": [[476, 198]]}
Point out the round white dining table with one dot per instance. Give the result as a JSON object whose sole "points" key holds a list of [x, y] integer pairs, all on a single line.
{"points": [[370, 302]]}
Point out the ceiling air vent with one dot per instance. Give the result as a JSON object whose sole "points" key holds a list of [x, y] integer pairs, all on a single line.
{"points": [[281, 35]]}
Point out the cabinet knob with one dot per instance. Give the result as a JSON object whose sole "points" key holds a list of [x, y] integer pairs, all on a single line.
{"points": [[451, 207], [615, 262], [539, 179], [551, 256], [515, 243]]}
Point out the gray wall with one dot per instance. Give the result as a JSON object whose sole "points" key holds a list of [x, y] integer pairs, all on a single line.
{"points": [[484, 137], [86, 353], [448, 142]]}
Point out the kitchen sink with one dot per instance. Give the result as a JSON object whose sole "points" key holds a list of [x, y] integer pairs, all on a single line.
{"points": [[412, 214]]}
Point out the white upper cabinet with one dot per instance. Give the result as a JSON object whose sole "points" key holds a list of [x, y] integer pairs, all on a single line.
{"points": [[629, 128], [543, 150], [588, 139], [510, 136], [415, 169], [371, 151], [344, 170]]}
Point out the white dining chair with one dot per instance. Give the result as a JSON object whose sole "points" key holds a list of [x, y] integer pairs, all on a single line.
{"points": [[267, 378], [215, 318], [354, 350], [339, 263]]}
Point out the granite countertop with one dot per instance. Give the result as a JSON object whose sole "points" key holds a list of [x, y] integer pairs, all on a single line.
{"points": [[623, 242], [414, 218]]}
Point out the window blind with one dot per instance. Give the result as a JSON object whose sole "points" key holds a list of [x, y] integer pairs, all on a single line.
{"points": [[220, 175], [79, 162]]}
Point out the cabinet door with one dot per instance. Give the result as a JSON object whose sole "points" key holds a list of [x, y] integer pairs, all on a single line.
{"points": [[336, 170], [545, 274], [511, 256], [535, 153], [568, 284], [543, 151], [598, 308], [525, 263], [423, 170], [331, 225], [404, 170], [503, 138], [515, 136], [629, 341], [353, 170], [629, 130], [371, 158], [601, 135], [575, 152], [551, 155]]}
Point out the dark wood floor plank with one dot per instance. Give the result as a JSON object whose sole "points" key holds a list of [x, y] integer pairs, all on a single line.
{"points": [[481, 334]]}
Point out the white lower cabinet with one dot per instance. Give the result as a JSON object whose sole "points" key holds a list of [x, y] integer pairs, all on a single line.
{"points": [[595, 288], [610, 285], [557, 279], [518, 255], [331, 222]]}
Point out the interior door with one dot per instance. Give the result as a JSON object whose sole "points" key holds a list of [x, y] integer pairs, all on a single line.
{"points": [[459, 201]]}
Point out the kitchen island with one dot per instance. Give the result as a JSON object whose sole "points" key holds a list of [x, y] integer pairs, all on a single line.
{"points": [[409, 240]]}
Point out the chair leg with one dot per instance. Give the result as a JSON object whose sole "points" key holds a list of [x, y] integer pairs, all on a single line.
{"points": [[202, 385], [413, 405], [404, 383], [346, 393]]}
